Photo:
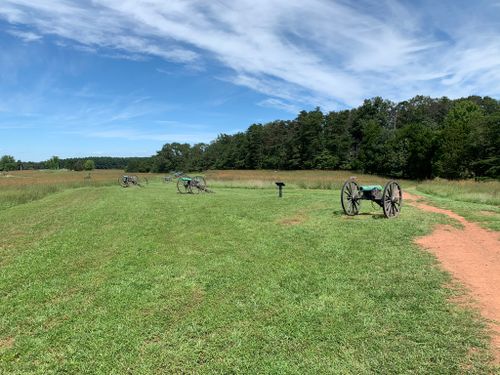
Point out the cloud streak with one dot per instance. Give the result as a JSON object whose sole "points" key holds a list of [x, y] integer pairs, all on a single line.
{"points": [[99, 115], [299, 54], [26, 36]]}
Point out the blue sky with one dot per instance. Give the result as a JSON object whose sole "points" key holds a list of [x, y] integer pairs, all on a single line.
{"points": [[123, 77]]}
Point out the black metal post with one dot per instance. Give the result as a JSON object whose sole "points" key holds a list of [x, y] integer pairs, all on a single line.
{"points": [[280, 185]]}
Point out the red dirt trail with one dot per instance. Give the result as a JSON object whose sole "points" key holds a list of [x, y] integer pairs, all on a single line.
{"points": [[472, 255]]}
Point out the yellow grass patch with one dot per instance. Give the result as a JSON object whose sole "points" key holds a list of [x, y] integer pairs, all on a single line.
{"points": [[46, 177], [293, 220], [301, 179], [7, 343]]}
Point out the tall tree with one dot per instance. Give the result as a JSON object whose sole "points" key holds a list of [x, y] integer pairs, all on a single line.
{"points": [[338, 142], [172, 157], [309, 137], [89, 165], [53, 162], [254, 156], [485, 146], [411, 151], [455, 154], [7, 163]]}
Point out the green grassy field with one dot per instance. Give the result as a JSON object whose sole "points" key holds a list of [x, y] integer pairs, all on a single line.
{"points": [[487, 192], [19, 187], [486, 215], [476, 201], [144, 280]]}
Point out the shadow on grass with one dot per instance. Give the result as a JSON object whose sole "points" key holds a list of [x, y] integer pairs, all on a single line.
{"points": [[361, 216]]}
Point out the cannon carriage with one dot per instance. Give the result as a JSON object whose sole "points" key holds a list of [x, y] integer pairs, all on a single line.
{"points": [[173, 175], [390, 197], [132, 180], [192, 185]]}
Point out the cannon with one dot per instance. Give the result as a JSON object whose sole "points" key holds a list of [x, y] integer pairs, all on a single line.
{"points": [[192, 185], [390, 197], [132, 180], [171, 176]]}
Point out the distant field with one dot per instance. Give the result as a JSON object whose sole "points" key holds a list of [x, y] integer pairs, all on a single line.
{"points": [[56, 177], [487, 192], [18, 187], [295, 179]]}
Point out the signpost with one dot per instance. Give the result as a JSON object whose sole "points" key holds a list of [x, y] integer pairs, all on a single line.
{"points": [[280, 185]]}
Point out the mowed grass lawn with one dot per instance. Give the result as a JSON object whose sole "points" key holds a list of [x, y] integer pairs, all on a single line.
{"points": [[145, 280]]}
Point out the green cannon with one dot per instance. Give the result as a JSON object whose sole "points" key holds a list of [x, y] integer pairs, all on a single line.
{"points": [[190, 185], [390, 197]]}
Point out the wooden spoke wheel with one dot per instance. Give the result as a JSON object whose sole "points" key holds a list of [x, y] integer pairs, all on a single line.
{"points": [[133, 180], [196, 187], [123, 181], [184, 186], [350, 198], [141, 181], [392, 199], [199, 183]]}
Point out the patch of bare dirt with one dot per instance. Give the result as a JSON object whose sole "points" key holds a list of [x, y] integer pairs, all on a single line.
{"points": [[293, 220], [472, 255], [7, 343]]}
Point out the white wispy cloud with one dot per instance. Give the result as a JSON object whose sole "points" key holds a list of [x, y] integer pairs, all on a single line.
{"points": [[298, 53], [82, 108], [26, 36], [95, 114], [280, 104]]}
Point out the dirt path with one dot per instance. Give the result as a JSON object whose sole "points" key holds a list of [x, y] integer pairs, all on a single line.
{"points": [[472, 255]]}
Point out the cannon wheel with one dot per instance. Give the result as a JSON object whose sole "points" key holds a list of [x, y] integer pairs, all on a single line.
{"points": [[142, 181], [200, 183], [122, 182], [183, 187], [349, 197], [133, 180], [196, 185], [392, 199]]}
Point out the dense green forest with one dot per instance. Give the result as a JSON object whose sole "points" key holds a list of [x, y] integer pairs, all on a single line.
{"points": [[135, 164], [417, 139]]}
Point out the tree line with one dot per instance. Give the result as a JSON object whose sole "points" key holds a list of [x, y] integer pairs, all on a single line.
{"points": [[134, 164], [417, 139]]}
